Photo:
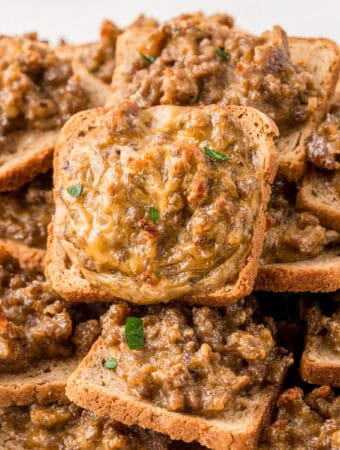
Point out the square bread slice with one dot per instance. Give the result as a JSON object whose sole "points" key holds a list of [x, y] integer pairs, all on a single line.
{"points": [[94, 388], [318, 274], [75, 282], [320, 57], [320, 193], [24, 154]]}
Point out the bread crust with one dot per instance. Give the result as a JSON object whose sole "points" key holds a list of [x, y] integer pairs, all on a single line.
{"points": [[25, 154], [315, 370], [69, 282], [43, 383], [319, 274], [307, 198], [214, 434]]}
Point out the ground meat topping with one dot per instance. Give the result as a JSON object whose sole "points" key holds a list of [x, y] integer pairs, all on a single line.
{"points": [[323, 148], [68, 427], [197, 360], [35, 323], [37, 89], [204, 60], [28, 212], [100, 58], [293, 235], [153, 213], [311, 423]]}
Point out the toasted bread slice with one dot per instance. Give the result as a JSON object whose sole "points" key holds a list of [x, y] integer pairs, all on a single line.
{"points": [[94, 388], [318, 274], [319, 365], [43, 383], [66, 278], [25, 154], [320, 193], [320, 57]]}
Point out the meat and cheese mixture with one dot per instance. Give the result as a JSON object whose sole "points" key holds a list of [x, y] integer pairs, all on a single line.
{"points": [[325, 324], [293, 235], [305, 423], [67, 427], [160, 202], [26, 212], [323, 148], [194, 59], [198, 360], [37, 89], [99, 59], [34, 321]]}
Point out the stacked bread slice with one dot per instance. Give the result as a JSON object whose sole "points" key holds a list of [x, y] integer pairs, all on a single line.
{"points": [[194, 165]]}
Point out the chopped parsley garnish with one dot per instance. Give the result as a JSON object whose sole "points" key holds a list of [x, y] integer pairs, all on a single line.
{"points": [[213, 154], [134, 333], [221, 52], [153, 214], [157, 273], [75, 190], [148, 58], [110, 363]]}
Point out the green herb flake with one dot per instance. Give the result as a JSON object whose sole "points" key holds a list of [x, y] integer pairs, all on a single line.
{"points": [[222, 53], [157, 273], [110, 363], [134, 333], [153, 214], [75, 190], [213, 154], [148, 58]]}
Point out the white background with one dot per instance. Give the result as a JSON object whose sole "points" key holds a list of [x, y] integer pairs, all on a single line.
{"points": [[78, 21]]}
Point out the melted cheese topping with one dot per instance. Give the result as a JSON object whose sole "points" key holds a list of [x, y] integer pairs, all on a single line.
{"points": [[137, 159]]}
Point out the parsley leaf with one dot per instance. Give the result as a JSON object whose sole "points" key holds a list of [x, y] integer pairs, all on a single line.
{"points": [[157, 273], [221, 52], [153, 214], [75, 190], [213, 154], [110, 363], [148, 58], [134, 333]]}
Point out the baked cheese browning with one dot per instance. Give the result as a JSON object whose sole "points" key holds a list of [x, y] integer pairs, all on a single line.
{"points": [[197, 360], [37, 89], [324, 323], [34, 321], [160, 202], [68, 427], [293, 235], [204, 60], [26, 212], [312, 422], [99, 58], [323, 148]]}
